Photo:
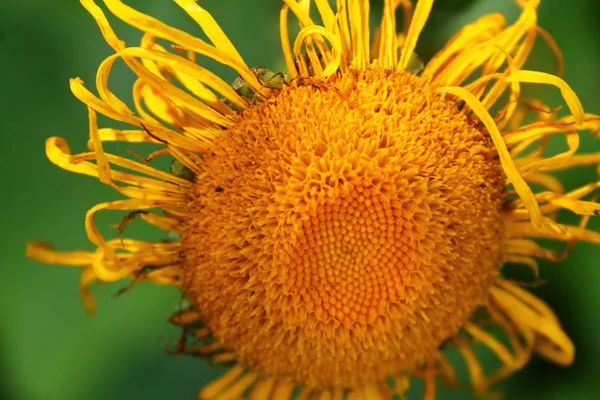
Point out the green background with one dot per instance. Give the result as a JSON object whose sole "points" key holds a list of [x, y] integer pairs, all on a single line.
{"points": [[49, 348]]}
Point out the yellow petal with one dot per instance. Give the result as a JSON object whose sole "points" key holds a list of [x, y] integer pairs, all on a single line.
{"points": [[285, 41], [505, 158], [482, 29], [159, 29], [420, 16], [333, 64], [162, 133], [541, 77], [211, 28], [216, 387], [44, 252], [531, 312]]}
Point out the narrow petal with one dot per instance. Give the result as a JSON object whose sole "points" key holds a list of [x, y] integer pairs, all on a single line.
{"points": [[182, 99], [420, 16], [58, 152], [263, 389], [358, 12], [476, 374], [159, 29], [568, 94], [186, 68], [503, 353], [332, 66], [285, 42], [539, 129], [44, 252], [212, 29], [123, 205], [316, 47], [216, 387], [162, 133], [330, 20], [283, 390], [505, 158], [531, 312], [345, 36], [483, 29], [387, 52]]}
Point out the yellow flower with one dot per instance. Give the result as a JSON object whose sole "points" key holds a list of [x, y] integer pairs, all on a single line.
{"points": [[338, 226]]}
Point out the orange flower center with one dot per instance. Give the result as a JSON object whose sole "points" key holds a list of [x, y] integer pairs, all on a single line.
{"points": [[343, 228]]}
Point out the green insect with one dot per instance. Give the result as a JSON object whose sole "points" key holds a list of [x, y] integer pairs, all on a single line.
{"points": [[415, 64], [181, 171], [270, 79]]}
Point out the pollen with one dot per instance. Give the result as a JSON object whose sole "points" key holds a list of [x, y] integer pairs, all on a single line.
{"points": [[343, 228]]}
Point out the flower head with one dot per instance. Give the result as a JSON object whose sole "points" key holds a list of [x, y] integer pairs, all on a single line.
{"points": [[338, 225]]}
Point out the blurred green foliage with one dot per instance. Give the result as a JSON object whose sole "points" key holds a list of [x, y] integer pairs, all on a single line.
{"points": [[49, 348]]}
